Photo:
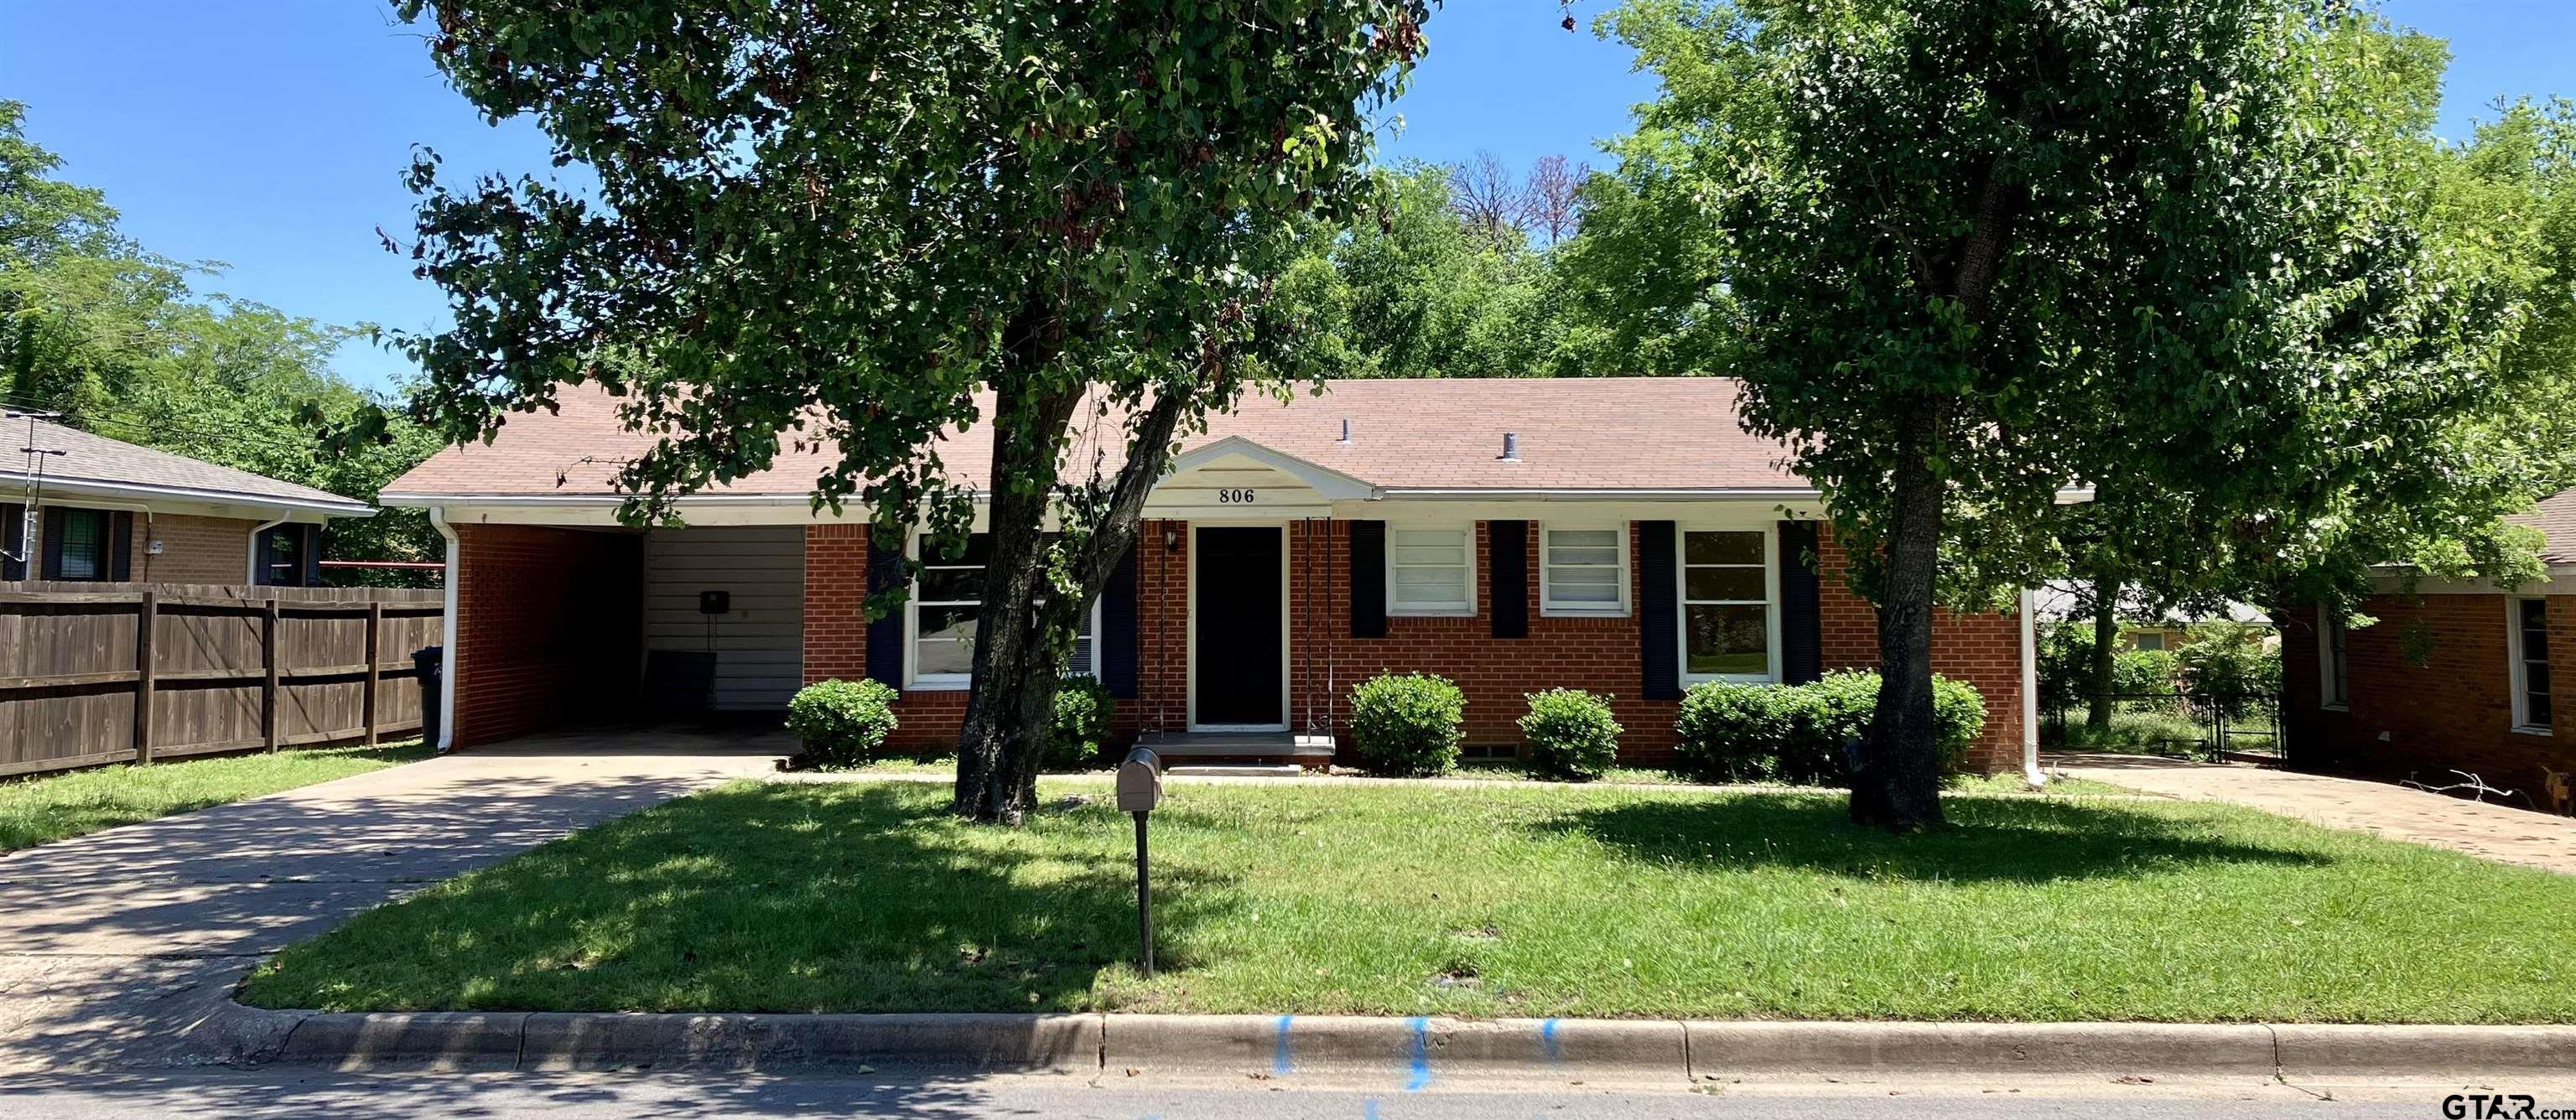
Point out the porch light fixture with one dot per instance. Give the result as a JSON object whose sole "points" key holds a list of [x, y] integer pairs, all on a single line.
{"points": [[1171, 539], [1511, 448]]}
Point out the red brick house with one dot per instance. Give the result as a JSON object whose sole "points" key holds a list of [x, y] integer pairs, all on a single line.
{"points": [[1625, 536], [2457, 676]]}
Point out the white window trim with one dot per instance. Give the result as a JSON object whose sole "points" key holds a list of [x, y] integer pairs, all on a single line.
{"points": [[1547, 604], [2514, 683], [1771, 602], [2328, 625], [917, 681], [1445, 610]]}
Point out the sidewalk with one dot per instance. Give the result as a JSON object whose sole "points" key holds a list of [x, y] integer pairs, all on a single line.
{"points": [[2392, 812]]}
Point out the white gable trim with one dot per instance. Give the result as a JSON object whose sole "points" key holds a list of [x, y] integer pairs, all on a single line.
{"points": [[1332, 484]]}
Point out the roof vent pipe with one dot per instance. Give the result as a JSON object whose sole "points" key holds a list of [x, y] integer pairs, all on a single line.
{"points": [[1511, 447], [1346, 429]]}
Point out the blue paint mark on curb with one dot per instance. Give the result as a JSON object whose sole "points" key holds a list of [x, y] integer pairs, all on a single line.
{"points": [[1547, 1040], [1279, 1060], [1369, 1108], [1421, 1078]]}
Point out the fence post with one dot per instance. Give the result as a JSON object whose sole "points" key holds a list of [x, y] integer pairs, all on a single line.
{"points": [[375, 624], [268, 660], [146, 620]]}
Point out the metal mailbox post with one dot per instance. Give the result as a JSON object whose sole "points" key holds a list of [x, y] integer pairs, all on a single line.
{"points": [[1140, 788]]}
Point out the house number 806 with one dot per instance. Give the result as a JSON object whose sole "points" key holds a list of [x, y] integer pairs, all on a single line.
{"points": [[1235, 497]]}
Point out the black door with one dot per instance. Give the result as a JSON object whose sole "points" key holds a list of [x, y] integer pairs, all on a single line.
{"points": [[1237, 575]]}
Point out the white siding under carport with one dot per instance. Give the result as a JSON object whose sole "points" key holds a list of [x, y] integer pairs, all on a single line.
{"points": [[759, 642]]}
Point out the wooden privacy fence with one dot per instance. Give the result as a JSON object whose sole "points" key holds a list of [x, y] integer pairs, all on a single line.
{"points": [[93, 673]]}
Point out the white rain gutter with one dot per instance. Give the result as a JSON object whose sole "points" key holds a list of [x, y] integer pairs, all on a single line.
{"points": [[252, 561], [2030, 692], [447, 636]]}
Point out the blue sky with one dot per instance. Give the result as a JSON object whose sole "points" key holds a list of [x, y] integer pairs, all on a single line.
{"points": [[273, 136]]}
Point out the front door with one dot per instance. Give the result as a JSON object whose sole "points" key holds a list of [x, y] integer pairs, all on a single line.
{"points": [[1240, 620]]}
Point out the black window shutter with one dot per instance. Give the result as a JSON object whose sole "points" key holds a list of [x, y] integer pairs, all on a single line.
{"points": [[309, 557], [1508, 583], [1117, 635], [1802, 632], [120, 547], [264, 554], [13, 537], [885, 635], [52, 542], [1659, 634], [1368, 579]]}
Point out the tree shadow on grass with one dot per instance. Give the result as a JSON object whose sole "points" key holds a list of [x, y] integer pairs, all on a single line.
{"points": [[857, 897], [1989, 841]]}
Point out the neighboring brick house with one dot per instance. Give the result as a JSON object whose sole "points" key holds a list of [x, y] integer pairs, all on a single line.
{"points": [[2460, 676], [1634, 541], [110, 511]]}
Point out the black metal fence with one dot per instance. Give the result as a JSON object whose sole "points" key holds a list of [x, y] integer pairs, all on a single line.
{"points": [[2243, 728]]}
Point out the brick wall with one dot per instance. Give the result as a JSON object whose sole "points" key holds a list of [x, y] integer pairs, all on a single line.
{"points": [[2453, 711], [193, 549], [549, 628], [1982, 649], [1592, 653]]}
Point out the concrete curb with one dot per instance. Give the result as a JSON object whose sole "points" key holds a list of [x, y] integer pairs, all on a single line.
{"points": [[1411, 1053]]}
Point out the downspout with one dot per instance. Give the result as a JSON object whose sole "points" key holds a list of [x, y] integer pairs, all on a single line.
{"points": [[252, 561], [447, 635], [2030, 693]]}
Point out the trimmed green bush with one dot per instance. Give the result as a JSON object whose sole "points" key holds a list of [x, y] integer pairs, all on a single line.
{"points": [[842, 723], [1407, 726], [1571, 734], [1083, 709], [1734, 732]]}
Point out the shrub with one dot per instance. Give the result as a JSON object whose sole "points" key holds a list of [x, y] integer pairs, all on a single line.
{"points": [[1571, 734], [1083, 709], [1733, 732], [1403, 726], [842, 723], [2231, 669], [1801, 733]]}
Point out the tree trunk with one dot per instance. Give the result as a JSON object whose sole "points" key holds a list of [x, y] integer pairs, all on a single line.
{"points": [[1012, 694], [2097, 666], [1896, 780], [1024, 630]]}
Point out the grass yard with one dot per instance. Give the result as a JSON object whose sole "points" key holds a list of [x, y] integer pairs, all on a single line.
{"points": [[1477, 901], [58, 807]]}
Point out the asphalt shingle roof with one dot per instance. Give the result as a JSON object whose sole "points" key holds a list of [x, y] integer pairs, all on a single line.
{"points": [[90, 457], [2556, 519], [1618, 433]]}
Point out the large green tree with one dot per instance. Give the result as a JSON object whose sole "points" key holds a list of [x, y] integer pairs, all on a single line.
{"points": [[872, 222], [97, 328], [1983, 250]]}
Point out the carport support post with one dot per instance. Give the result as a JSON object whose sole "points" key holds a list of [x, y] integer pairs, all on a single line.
{"points": [[1144, 900]]}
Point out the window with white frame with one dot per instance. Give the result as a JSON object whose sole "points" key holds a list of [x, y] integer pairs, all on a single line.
{"points": [[2334, 663], [2527, 632], [1431, 571], [1726, 604], [1583, 571], [946, 605]]}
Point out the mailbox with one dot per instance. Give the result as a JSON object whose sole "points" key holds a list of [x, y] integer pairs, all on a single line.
{"points": [[1140, 782]]}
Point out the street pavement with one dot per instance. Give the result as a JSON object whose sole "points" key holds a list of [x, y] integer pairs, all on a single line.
{"points": [[286, 1092]]}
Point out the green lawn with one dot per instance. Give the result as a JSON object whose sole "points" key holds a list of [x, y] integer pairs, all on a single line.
{"points": [[58, 807], [1501, 900]]}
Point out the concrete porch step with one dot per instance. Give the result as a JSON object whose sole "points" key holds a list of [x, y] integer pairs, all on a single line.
{"points": [[1248, 770], [1237, 745]]}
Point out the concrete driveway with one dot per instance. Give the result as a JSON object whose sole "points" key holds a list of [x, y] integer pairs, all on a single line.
{"points": [[114, 945], [2496, 832]]}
